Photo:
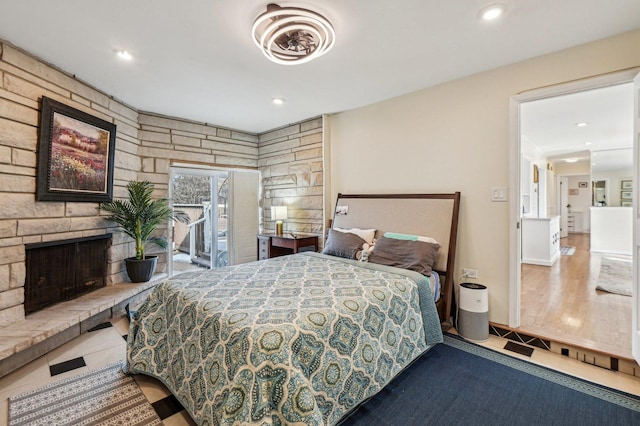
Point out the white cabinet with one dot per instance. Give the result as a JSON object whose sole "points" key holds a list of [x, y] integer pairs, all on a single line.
{"points": [[575, 222], [612, 230], [541, 240]]}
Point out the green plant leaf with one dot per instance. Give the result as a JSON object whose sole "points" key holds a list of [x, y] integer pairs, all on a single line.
{"points": [[140, 215]]}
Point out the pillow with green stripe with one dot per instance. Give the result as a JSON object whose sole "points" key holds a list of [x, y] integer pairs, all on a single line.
{"points": [[410, 237]]}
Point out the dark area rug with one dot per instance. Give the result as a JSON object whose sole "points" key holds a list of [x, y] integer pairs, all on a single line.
{"points": [[459, 383]]}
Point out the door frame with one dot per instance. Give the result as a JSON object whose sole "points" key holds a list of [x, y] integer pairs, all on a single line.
{"points": [[582, 85], [199, 170], [563, 196], [635, 289]]}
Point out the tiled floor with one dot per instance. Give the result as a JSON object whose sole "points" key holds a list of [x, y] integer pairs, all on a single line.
{"points": [[106, 345]]}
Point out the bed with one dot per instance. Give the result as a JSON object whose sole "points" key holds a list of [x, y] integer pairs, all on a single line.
{"points": [[304, 338]]}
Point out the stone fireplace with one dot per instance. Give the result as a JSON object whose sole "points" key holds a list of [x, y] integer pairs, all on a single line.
{"points": [[57, 271]]}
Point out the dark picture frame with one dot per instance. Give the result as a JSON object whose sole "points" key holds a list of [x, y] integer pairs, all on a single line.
{"points": [[75, 155]]}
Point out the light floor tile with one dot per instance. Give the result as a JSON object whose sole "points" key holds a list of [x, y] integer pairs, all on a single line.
{"points": [[105, 357], [4, 411], [32, 375], [121, 324], [179, 419], [87, 343], [153, 389]]}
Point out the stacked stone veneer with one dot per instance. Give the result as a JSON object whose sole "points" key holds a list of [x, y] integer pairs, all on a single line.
{"points": [[291, 168], [23, 82], [166, 141], [146, 145]]}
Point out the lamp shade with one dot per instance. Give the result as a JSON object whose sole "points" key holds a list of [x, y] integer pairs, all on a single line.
{"points": [[278, 212]]}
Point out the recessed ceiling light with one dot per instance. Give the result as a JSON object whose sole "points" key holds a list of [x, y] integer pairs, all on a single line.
{"points": [[593, 164], [492, 12], [278, 101], [588, 143], [571, 160], [581, 124], [124, 55]]}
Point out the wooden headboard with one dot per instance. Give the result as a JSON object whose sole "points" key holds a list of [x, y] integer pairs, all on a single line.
{"points": [[430, 215]]}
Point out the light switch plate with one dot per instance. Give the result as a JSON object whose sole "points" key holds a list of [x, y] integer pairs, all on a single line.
{"points": [[498, 194]]}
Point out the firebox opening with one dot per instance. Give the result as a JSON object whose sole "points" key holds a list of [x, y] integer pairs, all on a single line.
{"points": [[63, 270]]}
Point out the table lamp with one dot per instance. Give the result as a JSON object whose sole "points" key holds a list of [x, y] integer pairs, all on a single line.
{"points": [[278, 213]]}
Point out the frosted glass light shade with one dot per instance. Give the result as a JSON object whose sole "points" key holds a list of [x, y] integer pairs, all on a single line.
{"points": [[278, 213]]}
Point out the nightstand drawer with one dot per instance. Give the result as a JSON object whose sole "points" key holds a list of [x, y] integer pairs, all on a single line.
{"points": [[263, 248]]}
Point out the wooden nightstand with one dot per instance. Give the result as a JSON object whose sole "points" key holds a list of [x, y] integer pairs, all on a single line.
{"points": [[273, 245]]}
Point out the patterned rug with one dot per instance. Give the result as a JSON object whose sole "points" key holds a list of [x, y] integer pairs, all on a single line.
{"points": [[567, 250], [615, 276], [105, 396]]}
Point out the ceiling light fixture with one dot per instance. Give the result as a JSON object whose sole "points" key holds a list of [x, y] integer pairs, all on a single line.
{"points": [[291, 35], [492, 12], [571, 160], [278, 101], [588, 143], [581, 124], [123, 54]]}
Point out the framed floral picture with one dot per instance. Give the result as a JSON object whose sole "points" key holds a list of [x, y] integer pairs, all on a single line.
{"points": [[625, 195], [626, 185], [75, 155]]}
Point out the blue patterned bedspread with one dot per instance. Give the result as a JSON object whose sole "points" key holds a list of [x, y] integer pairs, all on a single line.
{"points": [[299, 339]]}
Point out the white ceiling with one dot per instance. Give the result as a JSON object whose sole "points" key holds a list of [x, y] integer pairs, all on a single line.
{"points": [[605, 142], [195, 59]]}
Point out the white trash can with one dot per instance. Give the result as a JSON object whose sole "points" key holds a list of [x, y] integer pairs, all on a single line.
{"points": [[473, 312]]}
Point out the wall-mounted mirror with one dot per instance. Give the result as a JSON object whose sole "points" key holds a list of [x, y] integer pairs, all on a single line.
{"points": [[610, 169], [599, 193]]}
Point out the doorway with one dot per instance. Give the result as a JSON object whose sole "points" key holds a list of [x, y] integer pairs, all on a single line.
{"points": [[223, 208], [543, 301]]}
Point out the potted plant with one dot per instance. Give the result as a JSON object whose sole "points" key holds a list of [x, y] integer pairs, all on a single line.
{"points": [[139, 216]]}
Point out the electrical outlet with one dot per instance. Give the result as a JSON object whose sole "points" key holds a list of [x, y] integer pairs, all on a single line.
{"points": [[470, 273]]}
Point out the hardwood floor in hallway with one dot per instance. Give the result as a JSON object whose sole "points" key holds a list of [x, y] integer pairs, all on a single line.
{"points": [[561, 302]]}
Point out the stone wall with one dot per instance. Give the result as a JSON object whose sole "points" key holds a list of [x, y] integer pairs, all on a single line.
{"points": [[289, 158], [291, 167], [166, 140], [23, 82]]}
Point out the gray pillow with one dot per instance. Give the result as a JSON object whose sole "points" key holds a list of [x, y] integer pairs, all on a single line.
{"points": [[414, 255], [343, 244]]}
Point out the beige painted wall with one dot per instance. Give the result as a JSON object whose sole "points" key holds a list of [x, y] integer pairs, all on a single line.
{"points": [[455, 137]]}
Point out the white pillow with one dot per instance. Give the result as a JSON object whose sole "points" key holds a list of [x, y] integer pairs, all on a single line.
{"points": [[365, 234]]}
